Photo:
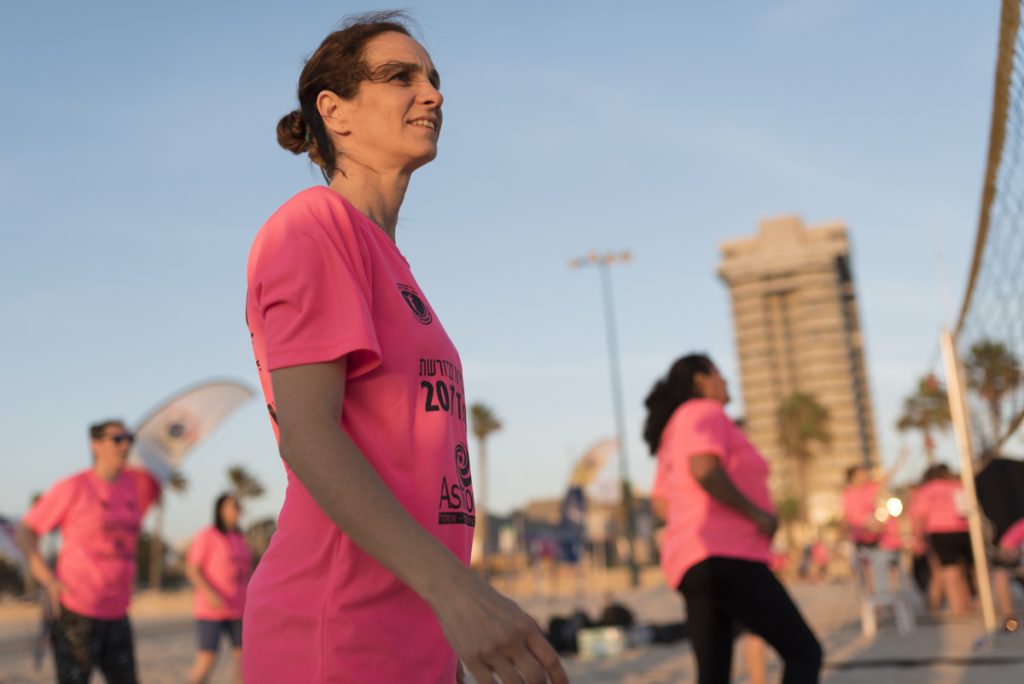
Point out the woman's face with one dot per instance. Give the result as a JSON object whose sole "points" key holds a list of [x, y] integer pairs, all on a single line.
{"points": [[229, 513], [394, 120], [712, 386]]}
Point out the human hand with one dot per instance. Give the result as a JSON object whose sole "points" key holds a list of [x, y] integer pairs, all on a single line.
{"points": [[492, 636], [214, 599], [53, 591], [767, 523]]}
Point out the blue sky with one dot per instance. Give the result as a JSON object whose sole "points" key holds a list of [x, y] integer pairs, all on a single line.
{"points": [[138, 159]]}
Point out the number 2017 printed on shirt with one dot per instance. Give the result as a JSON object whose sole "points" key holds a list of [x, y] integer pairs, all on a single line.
{"points": [[444, 397]]}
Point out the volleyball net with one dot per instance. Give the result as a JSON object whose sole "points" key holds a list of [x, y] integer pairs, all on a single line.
{"points": [[989, 333]]}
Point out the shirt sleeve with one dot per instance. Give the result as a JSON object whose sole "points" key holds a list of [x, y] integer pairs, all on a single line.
{"points": [[1014, 537], [48, 513], [198, 549], [705, 430], [661, 477], [147, 488], [314, 296]]}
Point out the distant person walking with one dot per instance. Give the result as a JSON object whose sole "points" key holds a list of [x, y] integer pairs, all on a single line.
{"points": [[218, 565], [99, 514], [939, 511], [367, 577], [713, 486]]}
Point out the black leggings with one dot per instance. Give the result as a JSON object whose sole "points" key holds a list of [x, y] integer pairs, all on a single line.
{"points": [[720, 592]]}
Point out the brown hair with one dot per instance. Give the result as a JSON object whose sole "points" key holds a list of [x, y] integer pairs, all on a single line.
{"points": [[671, 392], [98, 430], [337, 66]]}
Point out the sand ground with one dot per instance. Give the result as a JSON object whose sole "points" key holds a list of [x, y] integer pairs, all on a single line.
{"points": [[937, 652]]}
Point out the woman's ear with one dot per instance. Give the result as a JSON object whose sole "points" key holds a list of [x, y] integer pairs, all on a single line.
{"points": [[334, 111]]}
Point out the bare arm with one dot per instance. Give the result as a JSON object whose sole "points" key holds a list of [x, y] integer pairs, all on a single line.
{"points": [[28, 542], [487, 631], [707, 470], [885, 475], [659, 505]]}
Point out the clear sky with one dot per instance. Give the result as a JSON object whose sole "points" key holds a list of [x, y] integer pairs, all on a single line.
{"points": [[138, 159]]}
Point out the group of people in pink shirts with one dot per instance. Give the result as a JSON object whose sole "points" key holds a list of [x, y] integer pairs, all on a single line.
{"points": [[98, 512], [937, 535], [367, 577]]}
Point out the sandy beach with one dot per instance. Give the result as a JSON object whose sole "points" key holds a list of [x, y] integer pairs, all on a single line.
{"points": [[937, 652]]}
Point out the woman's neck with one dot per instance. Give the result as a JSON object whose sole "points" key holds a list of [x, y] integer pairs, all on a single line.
{"points": [[377, 194]]}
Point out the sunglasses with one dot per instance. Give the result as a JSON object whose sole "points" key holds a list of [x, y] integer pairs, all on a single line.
{"points": [[122, 438]]}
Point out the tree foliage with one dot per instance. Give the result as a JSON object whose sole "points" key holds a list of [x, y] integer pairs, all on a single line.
{"points": [[927, 411]]}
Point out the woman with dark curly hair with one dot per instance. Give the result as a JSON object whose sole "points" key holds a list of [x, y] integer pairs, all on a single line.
{"points": [[712, 485], [366, 578]]}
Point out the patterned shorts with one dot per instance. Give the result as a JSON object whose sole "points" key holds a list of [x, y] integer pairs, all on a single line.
{"points": [[81, 643]]}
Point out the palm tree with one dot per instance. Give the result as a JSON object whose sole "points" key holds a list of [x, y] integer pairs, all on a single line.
{"points": [[802, 422], [993, 372], [244, 484], [483, 423], [926, 410], [178, 483]]}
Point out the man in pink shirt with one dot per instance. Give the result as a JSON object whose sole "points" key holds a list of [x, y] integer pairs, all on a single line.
{"points": [[99, 513]]}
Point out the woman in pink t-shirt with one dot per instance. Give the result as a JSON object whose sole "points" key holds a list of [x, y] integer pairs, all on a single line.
{"points": [[712, 485], [218, 565], [99, 514], [366, 578], [939, 512]]}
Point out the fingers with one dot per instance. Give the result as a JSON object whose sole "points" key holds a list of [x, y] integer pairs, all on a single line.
{"points": [[546, 657]]}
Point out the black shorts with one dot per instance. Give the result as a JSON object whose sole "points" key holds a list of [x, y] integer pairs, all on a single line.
{"points": [[209, 632], [81, 643], [952, 547]]}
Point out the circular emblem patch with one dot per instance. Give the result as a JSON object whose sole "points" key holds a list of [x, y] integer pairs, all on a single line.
{"points": [[462, 464], [416, 304]]}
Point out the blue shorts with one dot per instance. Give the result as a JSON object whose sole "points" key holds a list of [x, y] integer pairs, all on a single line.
{"points": [[210, 631]]}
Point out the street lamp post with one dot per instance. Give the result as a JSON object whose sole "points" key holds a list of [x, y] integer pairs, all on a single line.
{"points": [[603, 262]]}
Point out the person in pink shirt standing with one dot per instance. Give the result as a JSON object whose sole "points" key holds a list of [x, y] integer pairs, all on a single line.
{"points": [[99, 514], [713, 486], [939, 512], [366, 578], [218, 565], [861, 499]]}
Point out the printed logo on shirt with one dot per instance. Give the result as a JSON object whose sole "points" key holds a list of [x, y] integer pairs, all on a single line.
{"points": [[415, 302], [456, 503], [442, 388]]}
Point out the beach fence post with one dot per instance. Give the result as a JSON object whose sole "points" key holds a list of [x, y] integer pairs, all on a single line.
{"points": [[962, 427]]}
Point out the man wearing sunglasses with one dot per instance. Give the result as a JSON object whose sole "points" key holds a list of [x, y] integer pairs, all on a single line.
{"points": [[99, 514]]}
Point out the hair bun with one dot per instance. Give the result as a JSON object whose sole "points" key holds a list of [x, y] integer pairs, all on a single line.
{"points": [[291, 132]]}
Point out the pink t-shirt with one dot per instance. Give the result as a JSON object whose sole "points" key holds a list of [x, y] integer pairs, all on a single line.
{"points": [[99, 525], [699, 526], [939, 507], [891, 538], [1013, 538], [859, 504], [225, 562], [326, 283]]}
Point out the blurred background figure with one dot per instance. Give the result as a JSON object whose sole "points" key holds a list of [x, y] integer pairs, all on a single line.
{"points": [[218, 565], [938, 511], [99, 514], [720, 522], [861, 499], [1000, 487]]}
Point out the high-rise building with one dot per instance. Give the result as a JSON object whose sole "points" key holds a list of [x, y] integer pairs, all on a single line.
{"points": [[797, 330]]}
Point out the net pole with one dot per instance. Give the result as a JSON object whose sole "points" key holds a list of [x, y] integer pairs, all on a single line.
{"points": [[961, 426]]}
